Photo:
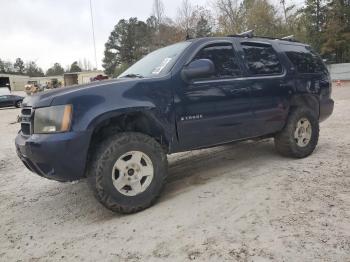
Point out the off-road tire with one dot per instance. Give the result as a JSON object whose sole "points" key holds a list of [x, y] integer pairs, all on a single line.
{"points": [[100, 178], [285, 142]]}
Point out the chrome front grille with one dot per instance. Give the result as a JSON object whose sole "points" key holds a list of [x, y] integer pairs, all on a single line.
{"points": [[26, 121]]}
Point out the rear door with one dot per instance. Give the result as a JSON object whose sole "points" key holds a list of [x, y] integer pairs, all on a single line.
{"points": [[269, 84], [215, 109]]}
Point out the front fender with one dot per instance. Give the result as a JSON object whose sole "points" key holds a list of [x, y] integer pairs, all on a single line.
{"points": [[99, 119]]}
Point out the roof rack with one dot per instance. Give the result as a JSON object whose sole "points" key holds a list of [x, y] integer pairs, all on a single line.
{"points": [[250, 34], [289, 38]]}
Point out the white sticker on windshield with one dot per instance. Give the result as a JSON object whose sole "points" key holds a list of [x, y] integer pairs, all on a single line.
{"points": [[159, 69]]}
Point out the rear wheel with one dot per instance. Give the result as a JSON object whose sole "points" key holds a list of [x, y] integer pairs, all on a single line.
{"points": [[128, 172], [300, 136]]}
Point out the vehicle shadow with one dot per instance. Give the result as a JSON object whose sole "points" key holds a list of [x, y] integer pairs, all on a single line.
{"points": [[185, 170], [9, 108], [202, 166]]}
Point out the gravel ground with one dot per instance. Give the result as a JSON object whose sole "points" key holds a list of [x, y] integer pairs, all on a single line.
{"points": [[239, 202]]}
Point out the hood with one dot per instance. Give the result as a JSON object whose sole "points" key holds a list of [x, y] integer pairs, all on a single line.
{"points": [[46, 98]]}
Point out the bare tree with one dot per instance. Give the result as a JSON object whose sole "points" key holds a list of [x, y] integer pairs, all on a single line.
{"points": [[228, 15], [283, 3], [87, 64], [185, 16], [158, 11]]}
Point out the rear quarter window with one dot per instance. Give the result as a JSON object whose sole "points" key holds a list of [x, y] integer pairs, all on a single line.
{"points": [[304, 59]]}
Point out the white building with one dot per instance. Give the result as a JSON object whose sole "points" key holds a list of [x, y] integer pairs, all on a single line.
{"points": [[17, 82]]}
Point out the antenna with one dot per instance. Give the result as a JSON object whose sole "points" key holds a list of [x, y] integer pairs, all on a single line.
{"points": [[93, 34]]}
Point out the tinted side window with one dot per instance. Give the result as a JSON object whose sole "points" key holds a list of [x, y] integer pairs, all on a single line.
{"points": [[304, 59], [223, 57], [261, 59]]}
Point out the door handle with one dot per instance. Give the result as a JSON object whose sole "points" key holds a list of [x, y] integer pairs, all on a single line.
{"points": [[284, 85], [239, 91]]}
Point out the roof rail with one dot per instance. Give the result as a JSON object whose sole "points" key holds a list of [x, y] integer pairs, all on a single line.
{"points": [[289, 38], [248, 34]]}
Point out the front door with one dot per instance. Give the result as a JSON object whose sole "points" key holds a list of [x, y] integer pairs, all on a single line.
{"points": [[215, 109]]}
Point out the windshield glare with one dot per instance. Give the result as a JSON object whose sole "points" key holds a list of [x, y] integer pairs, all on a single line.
{"points": [[157, 63]]}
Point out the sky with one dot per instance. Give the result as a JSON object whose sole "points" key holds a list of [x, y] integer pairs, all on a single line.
{"points": [[49, 31]]}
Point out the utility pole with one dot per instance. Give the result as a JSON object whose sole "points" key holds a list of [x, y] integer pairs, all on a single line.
{"points": [[93, 34], [283, 2]]}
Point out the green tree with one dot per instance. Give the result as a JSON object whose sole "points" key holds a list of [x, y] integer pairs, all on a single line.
{"points": [[314, 17], [6, 67], [74, 67], [2, 66], [128, 42], [55, 70], [260, 16], [19, 66], [336, 45], [33, 70], [203, 28]]}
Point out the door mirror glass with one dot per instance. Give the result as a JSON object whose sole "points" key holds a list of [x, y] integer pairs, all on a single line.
{"points": [[199, 68]]}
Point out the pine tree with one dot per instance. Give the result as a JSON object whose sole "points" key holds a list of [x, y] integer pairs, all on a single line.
{"points": [[203, 27], [314, 16], [19, 66], [2, 66], [127, 43], [337, 34], [55, 70], [75, 67]]}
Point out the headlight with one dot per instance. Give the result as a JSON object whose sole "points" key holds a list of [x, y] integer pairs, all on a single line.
{"points": [[52, 119]]}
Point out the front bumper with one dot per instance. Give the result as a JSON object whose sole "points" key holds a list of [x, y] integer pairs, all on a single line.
{"points": [[326, 108], [60, 157]]}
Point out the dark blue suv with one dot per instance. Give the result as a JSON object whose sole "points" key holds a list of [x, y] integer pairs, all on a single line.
{"points": [[194, 94]]}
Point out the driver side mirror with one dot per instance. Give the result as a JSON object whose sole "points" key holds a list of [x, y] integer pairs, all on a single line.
{"points": [[199, 68]]}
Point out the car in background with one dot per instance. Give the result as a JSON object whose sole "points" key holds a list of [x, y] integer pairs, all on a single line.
{"points": [[98, 78], [11, 100]]}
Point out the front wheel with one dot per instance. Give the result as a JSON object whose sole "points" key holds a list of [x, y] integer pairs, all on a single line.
{"points": [[18, 104], [299, 137], [128, 172]]}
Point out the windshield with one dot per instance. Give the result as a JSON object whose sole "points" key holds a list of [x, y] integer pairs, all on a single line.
{"points": [[157, 63]]}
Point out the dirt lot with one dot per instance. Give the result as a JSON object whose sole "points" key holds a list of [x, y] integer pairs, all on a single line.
{"points": [[240, 202]]}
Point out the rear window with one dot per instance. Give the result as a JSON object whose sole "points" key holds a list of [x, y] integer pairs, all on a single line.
{"points": [[304, 59], [261, 59]]}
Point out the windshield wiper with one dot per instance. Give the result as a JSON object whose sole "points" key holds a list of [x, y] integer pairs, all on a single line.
{"points": [[133, 76]]}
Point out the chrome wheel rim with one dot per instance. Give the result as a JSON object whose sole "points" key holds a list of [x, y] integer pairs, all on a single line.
{"points": [[132, 173], [303, 132]]}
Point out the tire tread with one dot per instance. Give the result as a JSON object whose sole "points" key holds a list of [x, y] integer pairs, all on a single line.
{"points": [[104, 152], [284, 141]]}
